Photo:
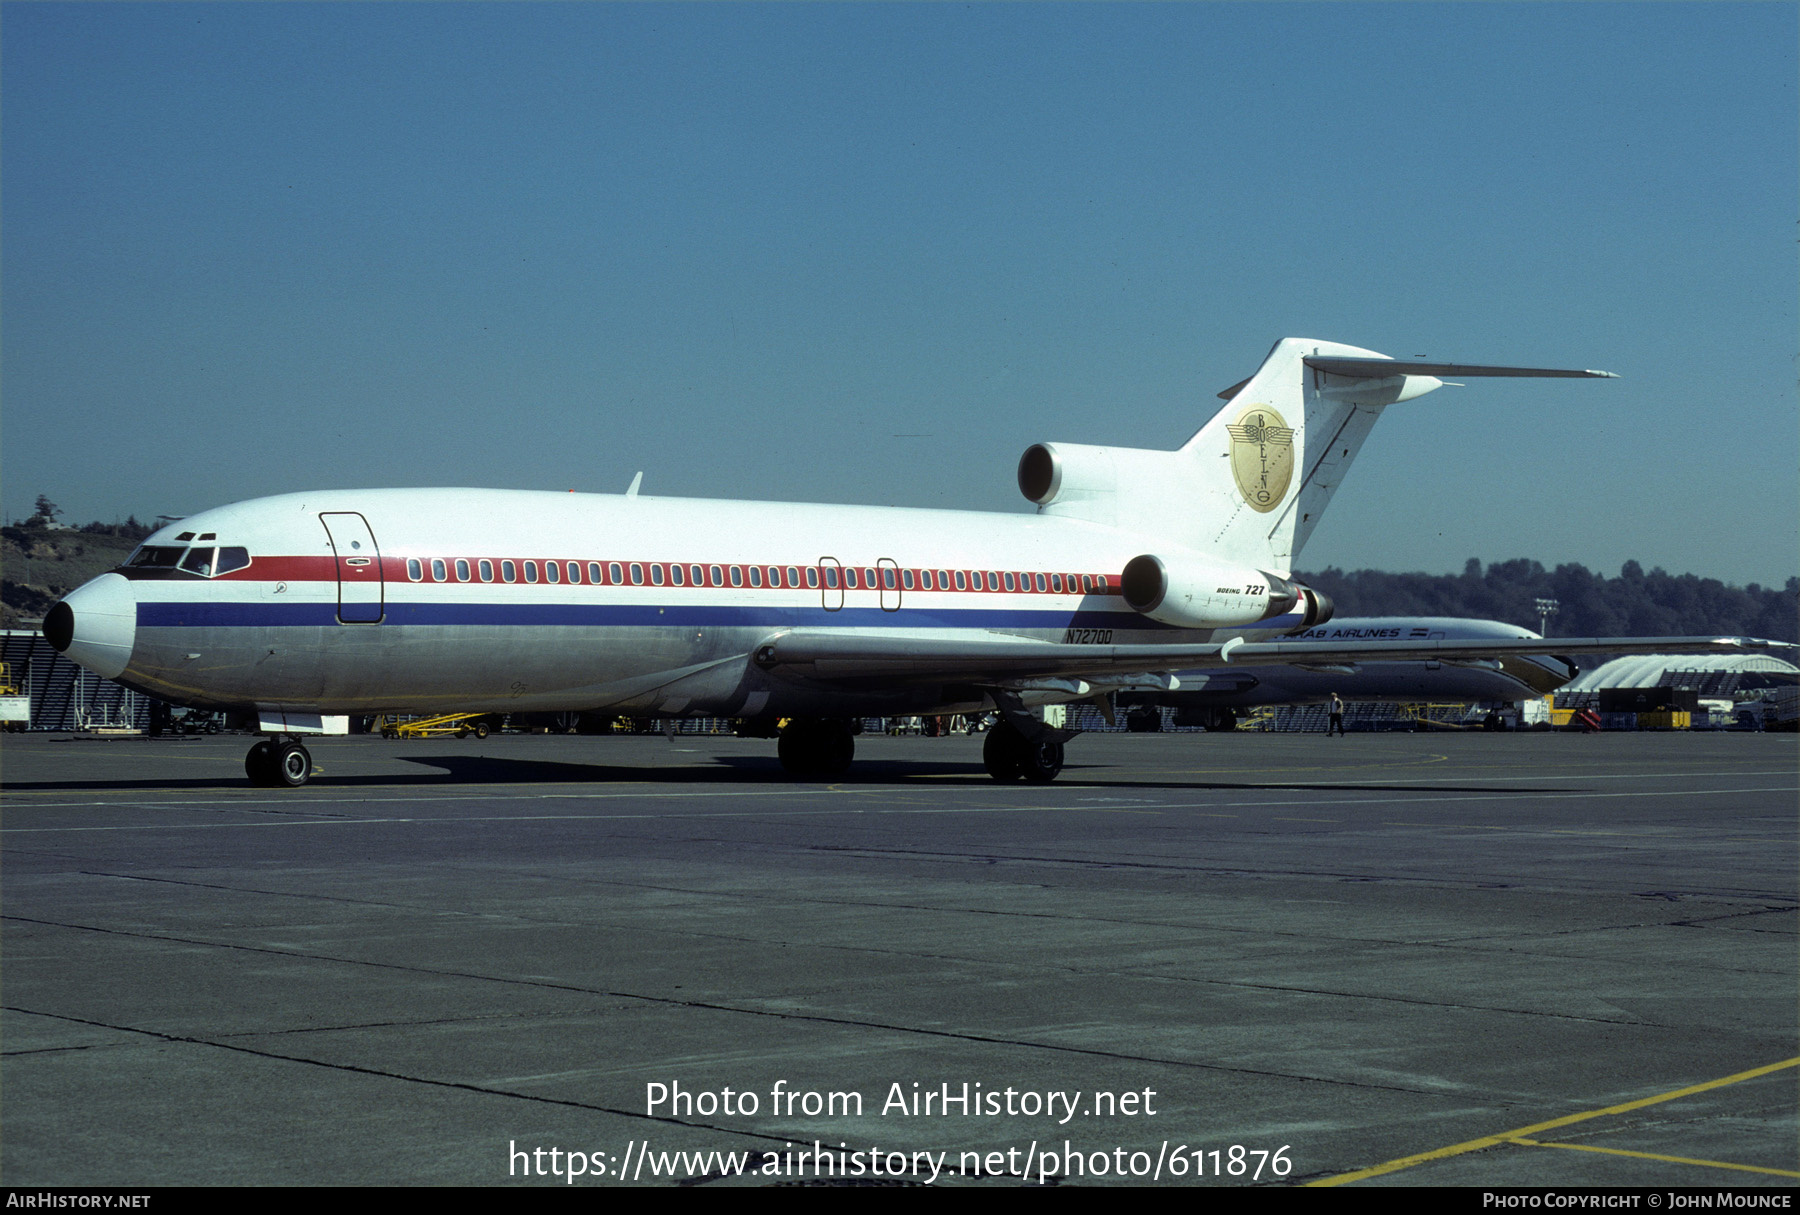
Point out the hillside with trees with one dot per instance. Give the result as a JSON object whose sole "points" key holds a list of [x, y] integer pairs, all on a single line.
{"points": [[1634, 604], [41, 560]]}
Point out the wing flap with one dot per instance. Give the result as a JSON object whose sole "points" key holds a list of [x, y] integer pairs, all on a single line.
{"points": [[1267, 653], [852, 656]]}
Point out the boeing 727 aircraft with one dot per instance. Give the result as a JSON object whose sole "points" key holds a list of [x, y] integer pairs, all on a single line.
{"points": [[299, 609]]}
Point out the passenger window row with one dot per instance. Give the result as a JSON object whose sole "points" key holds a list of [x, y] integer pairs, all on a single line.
{"points": [[772, 577]]}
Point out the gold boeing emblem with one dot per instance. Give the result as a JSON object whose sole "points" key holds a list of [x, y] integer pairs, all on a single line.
{"points": [[1262, 456]]}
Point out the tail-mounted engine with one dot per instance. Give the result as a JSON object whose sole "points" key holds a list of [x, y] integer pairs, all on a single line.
{"points": [[1076, 478], [1195, 594]]}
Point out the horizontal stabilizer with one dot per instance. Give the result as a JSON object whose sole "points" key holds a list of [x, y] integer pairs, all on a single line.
{"points": [[1370, 369]]}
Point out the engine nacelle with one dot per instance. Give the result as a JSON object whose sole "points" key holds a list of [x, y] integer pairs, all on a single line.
{"points": [[1310, 607], [1199, 594], [1064, 473]]}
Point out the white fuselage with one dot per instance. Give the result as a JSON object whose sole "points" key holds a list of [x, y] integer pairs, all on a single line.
{"points": [[441, 600]]}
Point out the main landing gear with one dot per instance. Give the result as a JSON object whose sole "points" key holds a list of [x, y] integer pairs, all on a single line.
{"points": [[1010, 756], [1217, 719], [813, 748], [277, 763]]}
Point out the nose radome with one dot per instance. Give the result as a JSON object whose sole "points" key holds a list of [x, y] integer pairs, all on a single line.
{"points": [[95, 625]]}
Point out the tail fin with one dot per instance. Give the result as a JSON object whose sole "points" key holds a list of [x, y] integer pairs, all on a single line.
{"points": [[1268, 463], [1251, 485], [1271, 459]]}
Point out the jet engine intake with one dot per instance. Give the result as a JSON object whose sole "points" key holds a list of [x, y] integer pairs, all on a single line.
{"points": [[1077, 476], [1040, 474], [1060, 472]]}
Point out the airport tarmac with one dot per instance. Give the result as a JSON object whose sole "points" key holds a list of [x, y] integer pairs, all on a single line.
{"points": [[1468, 959]]}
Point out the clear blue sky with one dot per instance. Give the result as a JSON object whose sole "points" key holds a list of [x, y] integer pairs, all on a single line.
{"points": [[870, 253]]}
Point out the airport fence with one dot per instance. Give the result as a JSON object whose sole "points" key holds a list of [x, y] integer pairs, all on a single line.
{"points": [[64, 697]]}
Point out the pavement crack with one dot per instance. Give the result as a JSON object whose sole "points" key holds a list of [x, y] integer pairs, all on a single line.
{"points": [[733, 1009], [382, 1073]]}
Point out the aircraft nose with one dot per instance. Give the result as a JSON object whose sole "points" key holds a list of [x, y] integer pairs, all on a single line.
{"points": [[96, 625]]}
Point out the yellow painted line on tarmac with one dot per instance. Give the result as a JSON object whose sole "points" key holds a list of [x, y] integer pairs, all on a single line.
{"points": [[1488, 1141], [1711, 1164]]}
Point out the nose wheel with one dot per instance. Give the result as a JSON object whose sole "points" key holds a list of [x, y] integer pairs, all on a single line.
{"points": [[277, 764]]}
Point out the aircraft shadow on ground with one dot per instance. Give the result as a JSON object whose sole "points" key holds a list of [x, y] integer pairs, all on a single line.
{"points": [[466, 769]]}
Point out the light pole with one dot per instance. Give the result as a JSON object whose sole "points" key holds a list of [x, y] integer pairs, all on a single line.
{"points": [[1546, 608]]}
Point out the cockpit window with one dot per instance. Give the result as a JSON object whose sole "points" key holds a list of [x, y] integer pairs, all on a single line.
{"points": [[157, 556], [203, 560]]}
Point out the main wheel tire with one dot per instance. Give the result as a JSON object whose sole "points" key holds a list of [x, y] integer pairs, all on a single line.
{"points": [[837, 748], [293, 765], [259, 765], [1003, 754], [794, 747], [795, 751], [1039, 762]]}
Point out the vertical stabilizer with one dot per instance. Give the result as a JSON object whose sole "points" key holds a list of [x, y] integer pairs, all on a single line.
{"points": [[1267, 464], [1249, 487]]}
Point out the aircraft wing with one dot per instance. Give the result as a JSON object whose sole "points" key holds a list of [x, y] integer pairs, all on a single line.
{"points": [[856, 656]]}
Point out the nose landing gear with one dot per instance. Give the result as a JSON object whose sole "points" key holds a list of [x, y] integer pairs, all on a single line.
{"points": [[278, 763]]}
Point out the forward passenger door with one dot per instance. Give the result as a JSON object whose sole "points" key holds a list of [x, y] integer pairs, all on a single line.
{"points": [[360, 589]]}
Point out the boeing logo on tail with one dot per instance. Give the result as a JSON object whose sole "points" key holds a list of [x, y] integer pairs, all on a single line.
{"points": [[1262, 456], [300, 609]]}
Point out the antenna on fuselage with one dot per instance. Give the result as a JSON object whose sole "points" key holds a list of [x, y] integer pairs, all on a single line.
{"points": [[635, 482]]}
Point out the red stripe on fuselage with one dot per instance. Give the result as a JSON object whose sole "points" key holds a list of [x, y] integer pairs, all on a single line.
{"points": [[300, 569]]}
